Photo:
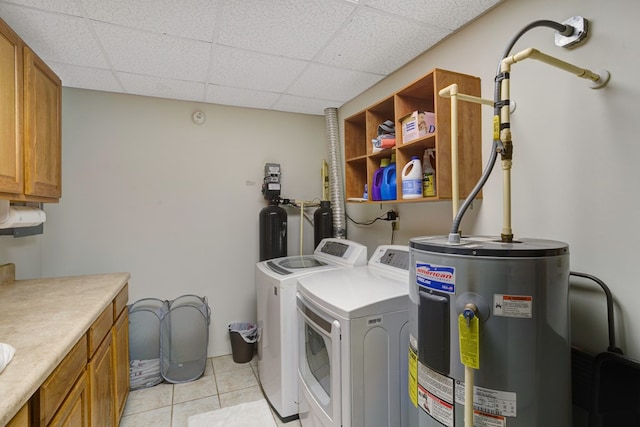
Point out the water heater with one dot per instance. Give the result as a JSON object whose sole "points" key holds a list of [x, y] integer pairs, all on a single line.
{"points": [[519, 294]]}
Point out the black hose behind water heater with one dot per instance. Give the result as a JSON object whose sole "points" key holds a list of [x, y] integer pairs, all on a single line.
{"points": [[273, 231]]}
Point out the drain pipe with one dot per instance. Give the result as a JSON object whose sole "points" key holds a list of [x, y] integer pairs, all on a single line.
{"points": [[335, 174]]}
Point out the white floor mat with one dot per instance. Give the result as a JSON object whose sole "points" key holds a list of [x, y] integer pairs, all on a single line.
{"points": [[251, 414]]}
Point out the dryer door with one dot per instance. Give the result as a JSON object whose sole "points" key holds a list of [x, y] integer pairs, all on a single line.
{"points": [[319, 366]]}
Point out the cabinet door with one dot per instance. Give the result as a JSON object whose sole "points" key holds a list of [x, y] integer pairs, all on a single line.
{"points": [[42, 129], [21, 419], [10, 111], [101, 408], [74, 411], [120, 364]]}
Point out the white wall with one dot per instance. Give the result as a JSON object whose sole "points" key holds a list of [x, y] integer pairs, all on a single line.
{"points": [[575, 174], [176, 204]]}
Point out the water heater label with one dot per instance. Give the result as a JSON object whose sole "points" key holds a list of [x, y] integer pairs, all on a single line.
{"points": [[435, 395], [436, 277], [513, 305], [491, 402]]}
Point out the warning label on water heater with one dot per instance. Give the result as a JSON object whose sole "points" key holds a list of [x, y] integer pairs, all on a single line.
{"points": [[513, 305]]}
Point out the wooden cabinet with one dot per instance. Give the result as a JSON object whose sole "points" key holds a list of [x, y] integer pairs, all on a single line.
{"points": [[30, 124], [74, 412], [11, 74], [120, 353], [43, 129], [422, 95], [21, 419], [100, 371], [91, 384]]}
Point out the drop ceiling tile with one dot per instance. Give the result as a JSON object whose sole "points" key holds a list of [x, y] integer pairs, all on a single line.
{"points": [[335, 84], [364, 44], [193, 19], [86, 78], [54, 37], [224, 95], [290, 28], [142, 52], [450, 14], [67, 7], [162, 88], [251, 70], [296, 104]]}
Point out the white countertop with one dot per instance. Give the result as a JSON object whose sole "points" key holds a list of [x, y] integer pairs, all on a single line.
{"points": [[43, 319]]}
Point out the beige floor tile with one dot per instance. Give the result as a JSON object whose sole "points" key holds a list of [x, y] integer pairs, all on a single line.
{"points": [[209, 368], [182, 411], [240, 396], [204, 387], [149, 398], [160, 417], [236, 380], [226, 364]]}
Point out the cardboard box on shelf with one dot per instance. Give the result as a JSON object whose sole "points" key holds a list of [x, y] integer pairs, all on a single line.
{"points": [[417, 124]]}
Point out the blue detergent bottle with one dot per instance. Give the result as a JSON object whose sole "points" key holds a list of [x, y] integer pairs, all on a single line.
{"points": [[388, 186], [377, 180]]}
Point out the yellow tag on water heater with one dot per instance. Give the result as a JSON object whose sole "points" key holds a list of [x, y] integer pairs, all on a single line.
{"points": [[469, 333], [496, 127]]}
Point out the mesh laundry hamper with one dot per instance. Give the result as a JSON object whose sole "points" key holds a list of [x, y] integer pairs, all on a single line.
{"points": [[184, 337], [144, 342]]}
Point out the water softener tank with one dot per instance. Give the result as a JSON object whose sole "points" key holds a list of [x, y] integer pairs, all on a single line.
{"points": [[519, 292], [273, 231], [322, 222]]}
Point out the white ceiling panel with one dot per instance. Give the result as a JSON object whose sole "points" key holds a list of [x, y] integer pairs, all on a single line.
{"points": [[334, 84], [226, 95], [87, 78], [450, 14], [162, 88], [193, 19], [67, 7], [287, 55], [364, 44], [290, 28], [157, 55], [67, 39], [251, 70], [297, 104]]}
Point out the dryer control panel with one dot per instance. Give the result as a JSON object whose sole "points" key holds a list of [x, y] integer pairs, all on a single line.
{"points": [[395, 256]]}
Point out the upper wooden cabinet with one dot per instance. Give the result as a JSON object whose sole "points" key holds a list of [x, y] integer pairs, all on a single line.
{"points": [[361, 161], [10, 111], [30, 123]]}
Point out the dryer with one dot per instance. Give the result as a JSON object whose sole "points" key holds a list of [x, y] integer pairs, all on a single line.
{"points": [[276, 281], [353, 335]]}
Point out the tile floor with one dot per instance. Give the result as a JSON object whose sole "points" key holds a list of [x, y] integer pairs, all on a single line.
{"points": [[225, 383]]}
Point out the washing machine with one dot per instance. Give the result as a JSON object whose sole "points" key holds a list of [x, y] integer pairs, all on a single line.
{"points": [[276, 281], [353, 332]]}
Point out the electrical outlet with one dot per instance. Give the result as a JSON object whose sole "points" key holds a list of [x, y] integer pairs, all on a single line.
{"points": [[396, 225]]}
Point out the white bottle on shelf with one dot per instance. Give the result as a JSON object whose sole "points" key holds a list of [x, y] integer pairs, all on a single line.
{"points": [[412, 179]]}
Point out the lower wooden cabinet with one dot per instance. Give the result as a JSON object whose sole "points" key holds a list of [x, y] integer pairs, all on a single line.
{"points": [[21, 419], [89, 388], [100, 370], [74, 412], [120, 352]]}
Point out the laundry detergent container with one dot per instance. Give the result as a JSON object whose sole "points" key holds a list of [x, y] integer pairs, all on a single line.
{"points": [[184, 338]]}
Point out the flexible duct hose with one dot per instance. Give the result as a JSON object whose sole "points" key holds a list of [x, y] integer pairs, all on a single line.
{"points": [[335, 173]]}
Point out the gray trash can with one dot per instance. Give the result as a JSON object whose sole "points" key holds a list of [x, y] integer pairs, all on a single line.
{"points": [[243, 338]]}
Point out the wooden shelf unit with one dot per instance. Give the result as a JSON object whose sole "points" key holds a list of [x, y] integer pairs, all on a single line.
{"points": [[421, 95]]}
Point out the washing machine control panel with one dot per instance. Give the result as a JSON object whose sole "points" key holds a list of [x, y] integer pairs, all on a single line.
{"points": [[396, 256]]}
